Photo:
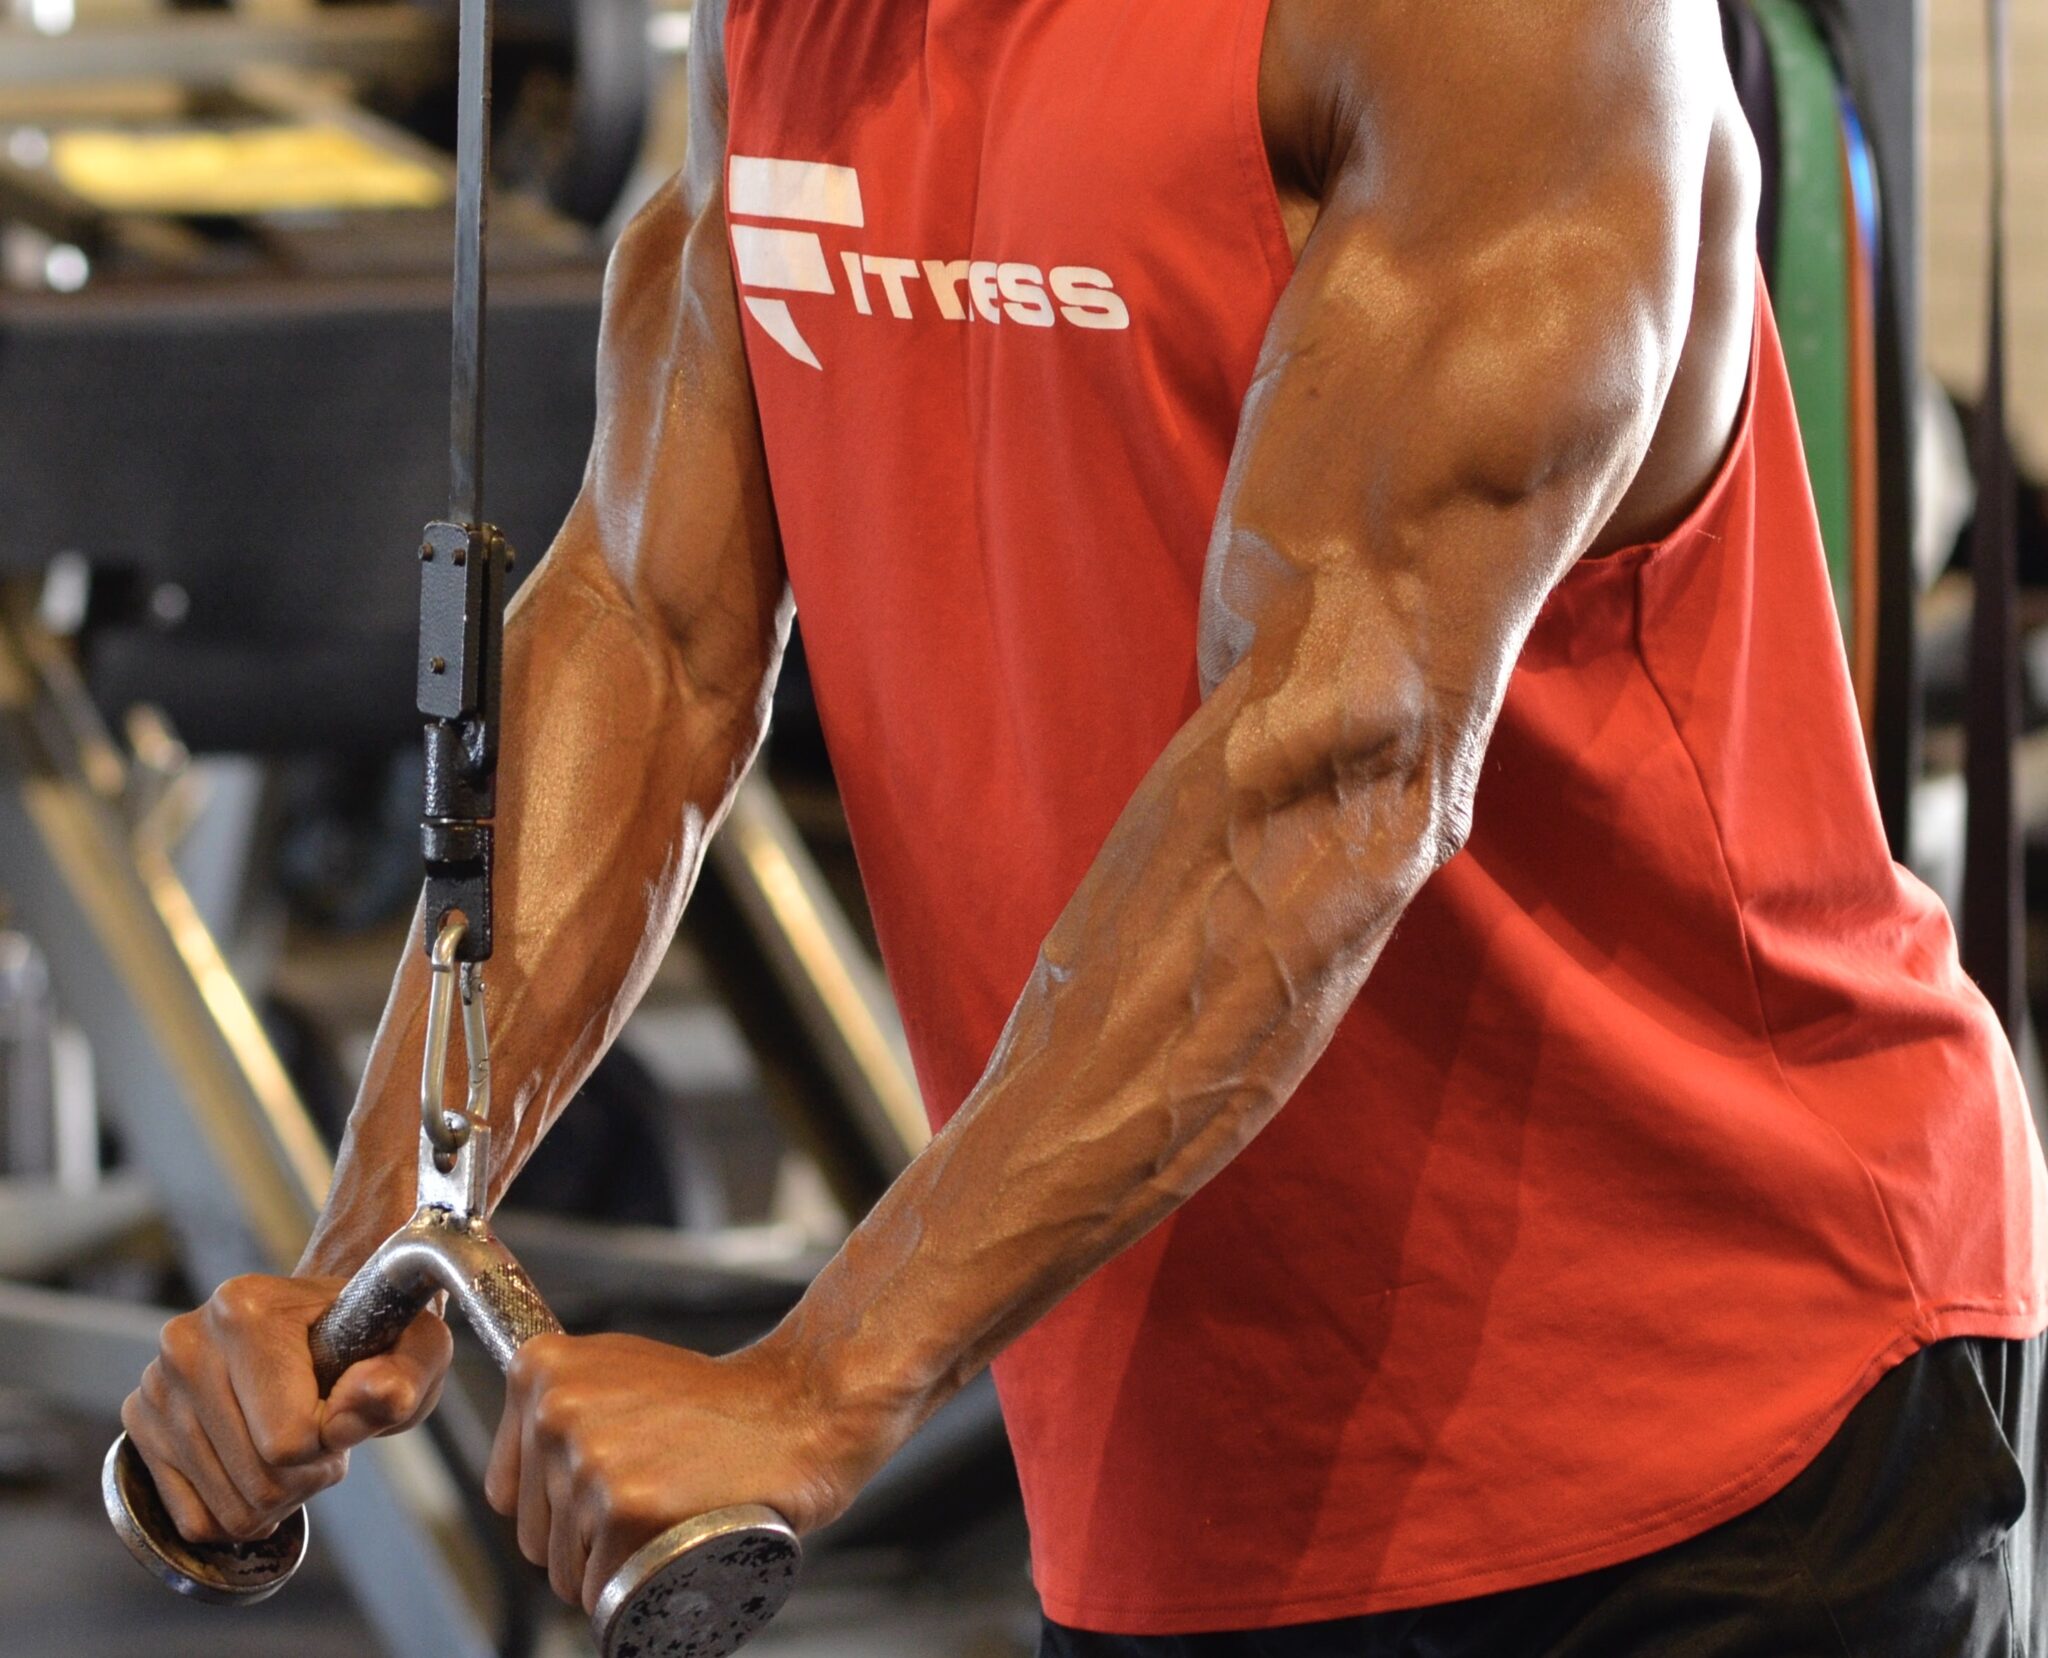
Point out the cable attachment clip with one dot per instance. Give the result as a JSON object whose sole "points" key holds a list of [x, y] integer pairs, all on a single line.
{"points": [[464, 577], [447, 1131]]}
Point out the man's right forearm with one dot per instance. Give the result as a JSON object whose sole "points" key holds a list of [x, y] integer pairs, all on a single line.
{"points": [[616, 767], [639, 662]]}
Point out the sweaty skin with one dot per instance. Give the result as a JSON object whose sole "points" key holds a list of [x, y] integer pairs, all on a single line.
{"points": [[1551, 304]]}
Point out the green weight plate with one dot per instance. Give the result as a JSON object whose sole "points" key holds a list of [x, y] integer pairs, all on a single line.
{"points": [[1810, 288]]}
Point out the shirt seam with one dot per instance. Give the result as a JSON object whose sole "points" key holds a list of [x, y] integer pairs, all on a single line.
{"points": [[1903, 1340], [1275, 246], [1741, 919]]}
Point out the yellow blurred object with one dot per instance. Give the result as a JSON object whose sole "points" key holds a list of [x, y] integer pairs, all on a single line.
{"points": [[257, 169]]}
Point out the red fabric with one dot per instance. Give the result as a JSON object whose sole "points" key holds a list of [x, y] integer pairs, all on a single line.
{"points": [[1667, 1121]]}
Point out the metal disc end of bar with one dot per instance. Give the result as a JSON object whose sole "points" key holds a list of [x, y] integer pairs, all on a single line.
{"points": [[230, 1574], [700, 1589]]}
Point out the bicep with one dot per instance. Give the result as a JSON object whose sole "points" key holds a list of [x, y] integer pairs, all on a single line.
{"points": [[1456, 388]]}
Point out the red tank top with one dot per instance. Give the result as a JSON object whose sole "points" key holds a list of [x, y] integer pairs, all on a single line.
{"points": [[1665, 1123]]}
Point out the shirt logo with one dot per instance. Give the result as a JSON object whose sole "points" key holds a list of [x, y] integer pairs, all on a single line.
{"points": [[773, 260]]}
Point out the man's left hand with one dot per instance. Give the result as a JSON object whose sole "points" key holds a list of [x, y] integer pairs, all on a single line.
{"points": [[607, 1441]]}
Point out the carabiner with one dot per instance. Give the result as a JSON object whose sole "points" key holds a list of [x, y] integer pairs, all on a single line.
{"points": [[447, 1131]]}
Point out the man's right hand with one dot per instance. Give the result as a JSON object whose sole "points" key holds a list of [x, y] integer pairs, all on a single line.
{"points": [[230, 1419]]}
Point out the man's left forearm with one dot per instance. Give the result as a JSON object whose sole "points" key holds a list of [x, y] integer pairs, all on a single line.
{"points": [[1197, 974]]}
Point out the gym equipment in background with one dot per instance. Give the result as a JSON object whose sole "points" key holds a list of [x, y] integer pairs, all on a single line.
{"points": [[1828, 89], [704, 1585], [697, 1590], [1994, 873], [1810, 286]]}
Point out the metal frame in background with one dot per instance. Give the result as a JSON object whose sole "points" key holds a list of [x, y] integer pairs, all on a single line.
{"points": [[1884, 42], [786, 962], [205, 1107], [201, 49]]}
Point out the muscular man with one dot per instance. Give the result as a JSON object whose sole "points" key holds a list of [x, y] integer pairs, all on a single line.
{"points": [[1459, 1134]]}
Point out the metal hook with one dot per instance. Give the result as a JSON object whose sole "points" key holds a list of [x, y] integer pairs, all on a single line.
{"points": [[448, 1131], [476, 1044]]}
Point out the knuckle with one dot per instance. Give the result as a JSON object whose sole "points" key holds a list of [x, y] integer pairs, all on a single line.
{"points": [[267, 1495], [598, 1468], [631, 1505], [380, 1398], [536, 1367], [242, 1523], [195, 1524], [554, 1413], [237, 1304], [180, 1344], [315, 1477], [284, 1444], [592, 1488]]}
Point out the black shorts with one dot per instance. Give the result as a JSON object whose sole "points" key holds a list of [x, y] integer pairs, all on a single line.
{"points": [[1914, 1534]]}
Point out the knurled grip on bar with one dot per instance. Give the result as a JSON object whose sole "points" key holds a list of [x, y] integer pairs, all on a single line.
{"points": [[367, 1317], [433, 1251]]}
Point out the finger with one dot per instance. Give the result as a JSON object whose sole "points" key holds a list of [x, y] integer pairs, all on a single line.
{"points": [[173, 1442], [174, 1445], [613, 1540], [428, 1346], [195, 1396], [501, 1474], [270, 1368], [371, 1398], [391, 1391], [239, 1517], [188, 1513], [596, 1574], [535, 1511], [265, 1495], [567, 1550]]}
